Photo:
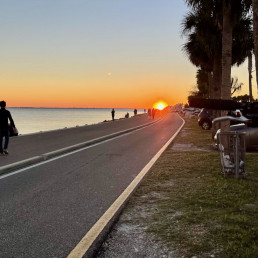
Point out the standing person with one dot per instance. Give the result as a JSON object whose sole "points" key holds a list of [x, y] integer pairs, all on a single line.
{"points": [[135, 112], [149, 113], [153, 113], [113, 114], [4, 132]]}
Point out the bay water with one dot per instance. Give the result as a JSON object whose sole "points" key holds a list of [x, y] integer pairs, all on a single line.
{"points": [[33, 120]]}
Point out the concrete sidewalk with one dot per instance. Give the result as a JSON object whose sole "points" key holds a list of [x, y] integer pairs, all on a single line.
{"points": [[29, 149]]}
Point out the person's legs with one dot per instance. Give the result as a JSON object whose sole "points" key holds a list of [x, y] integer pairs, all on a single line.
{"points": [[6, 142], [1, 141]]}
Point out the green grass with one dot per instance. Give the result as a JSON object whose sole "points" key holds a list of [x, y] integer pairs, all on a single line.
{"points": [[199, 212], [193, 134]]}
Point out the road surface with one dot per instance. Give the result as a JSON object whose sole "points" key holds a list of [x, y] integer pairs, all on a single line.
{"points": [[48, 208]]}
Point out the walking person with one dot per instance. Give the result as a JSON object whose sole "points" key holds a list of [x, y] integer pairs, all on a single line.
{"points": [[4, 130], [113, 114]]}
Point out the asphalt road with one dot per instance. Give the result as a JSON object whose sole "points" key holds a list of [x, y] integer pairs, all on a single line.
{"points": [[46, 210], [27, 146]]}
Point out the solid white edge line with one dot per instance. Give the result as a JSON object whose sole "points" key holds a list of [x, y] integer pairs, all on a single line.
{"points": [[86, 242]]}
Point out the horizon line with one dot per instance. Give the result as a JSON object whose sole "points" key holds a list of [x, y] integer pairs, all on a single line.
{"points": [[80, 107]]}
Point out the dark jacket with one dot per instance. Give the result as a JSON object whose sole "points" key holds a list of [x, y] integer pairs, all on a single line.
{"points": [[4, 116]]}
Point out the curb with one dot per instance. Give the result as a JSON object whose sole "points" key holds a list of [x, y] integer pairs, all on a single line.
{"points": [[52, 154]]}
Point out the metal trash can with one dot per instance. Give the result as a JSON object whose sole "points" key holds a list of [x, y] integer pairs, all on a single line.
{"points": [[232, 153]]}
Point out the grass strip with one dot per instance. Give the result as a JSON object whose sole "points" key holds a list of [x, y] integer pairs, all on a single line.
{"points": [[194, 210]]}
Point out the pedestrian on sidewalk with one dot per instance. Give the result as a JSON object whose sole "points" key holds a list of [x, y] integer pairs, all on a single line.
{"points": [[4, 130], [113, 114]]}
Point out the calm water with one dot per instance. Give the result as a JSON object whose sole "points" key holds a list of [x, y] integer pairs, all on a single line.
{"points": [[32, 120]]}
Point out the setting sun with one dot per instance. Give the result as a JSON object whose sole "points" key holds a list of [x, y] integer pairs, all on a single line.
{"points": [[160, 105]]}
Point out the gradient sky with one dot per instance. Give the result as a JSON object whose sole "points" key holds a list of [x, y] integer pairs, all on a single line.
{"points": [[95, 53]]}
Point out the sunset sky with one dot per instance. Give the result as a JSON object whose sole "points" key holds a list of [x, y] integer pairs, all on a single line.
{"points": [[95, 53]]}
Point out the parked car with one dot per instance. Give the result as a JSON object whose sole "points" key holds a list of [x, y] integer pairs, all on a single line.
{"points": [[206, 115], [251, 135], [190, 111], [235, 113], [250, 111]]}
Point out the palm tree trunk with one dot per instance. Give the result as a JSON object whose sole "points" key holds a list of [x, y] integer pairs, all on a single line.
{"points": [[250, 68], [226, 57], [216, 86], [210, 81], [255, 33], [217, 72]]}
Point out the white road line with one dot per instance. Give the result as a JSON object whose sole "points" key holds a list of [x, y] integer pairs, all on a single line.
{"points": [[72, 152], [86, 242]]}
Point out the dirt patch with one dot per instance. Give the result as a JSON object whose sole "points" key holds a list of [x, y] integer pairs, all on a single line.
{"points": [[184, 133], [153, 196], [130, 239]]}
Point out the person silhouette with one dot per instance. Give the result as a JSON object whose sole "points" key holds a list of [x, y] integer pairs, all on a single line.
{"points": [[113, 114], [4, 127], [149, 113], [153, 113]]}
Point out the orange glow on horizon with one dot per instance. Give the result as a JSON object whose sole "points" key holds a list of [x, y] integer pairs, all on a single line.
{"points": [[160, 105], [92, 94]]}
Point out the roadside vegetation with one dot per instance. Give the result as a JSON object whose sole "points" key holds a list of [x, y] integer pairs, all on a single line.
{"points": [[191, 208]]}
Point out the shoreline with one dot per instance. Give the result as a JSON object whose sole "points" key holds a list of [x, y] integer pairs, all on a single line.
{"points": [[78, 126], [75, 108]]}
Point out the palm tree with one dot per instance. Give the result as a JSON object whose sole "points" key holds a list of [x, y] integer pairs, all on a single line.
{"points": [[244, 46], [204, 43], [203, 46], [250, 68], [226, 50], [230, 11], [202, 77], [255, 28]]}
